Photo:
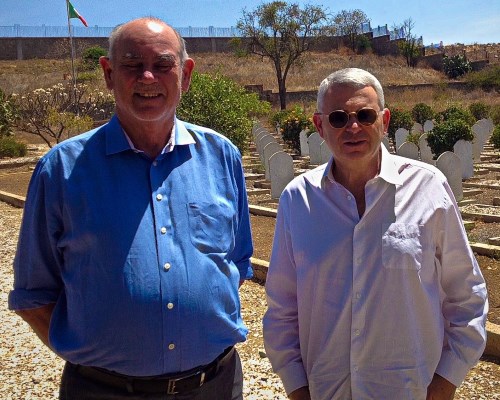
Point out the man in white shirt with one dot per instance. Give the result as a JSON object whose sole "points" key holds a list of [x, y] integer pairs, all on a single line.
{"points": [[373, 290]]}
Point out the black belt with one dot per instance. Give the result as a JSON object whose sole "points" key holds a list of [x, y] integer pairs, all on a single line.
{"points": [[171, 384]]}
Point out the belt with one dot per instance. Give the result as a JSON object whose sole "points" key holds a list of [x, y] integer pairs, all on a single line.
{"points": [[171, 384]]}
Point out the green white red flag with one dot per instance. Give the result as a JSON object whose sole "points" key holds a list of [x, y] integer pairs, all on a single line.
{"points": [[72, 13]]}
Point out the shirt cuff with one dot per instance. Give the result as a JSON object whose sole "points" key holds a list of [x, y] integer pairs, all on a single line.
{"points": [[22, 299], [293, 377], [452, 368]]}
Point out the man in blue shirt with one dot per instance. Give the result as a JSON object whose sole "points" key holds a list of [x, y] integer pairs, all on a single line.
{"points": [[135, 238]]}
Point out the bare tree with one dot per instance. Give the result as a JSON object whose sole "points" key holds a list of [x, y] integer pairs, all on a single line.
{"points": [[411, 46], [349, 23], [281, 32]]}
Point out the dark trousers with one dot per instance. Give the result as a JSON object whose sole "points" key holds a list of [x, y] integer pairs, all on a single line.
{"points": [[226, 385]]}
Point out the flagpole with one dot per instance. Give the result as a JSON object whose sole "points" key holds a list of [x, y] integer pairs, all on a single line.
{"points": [[73, 72]]}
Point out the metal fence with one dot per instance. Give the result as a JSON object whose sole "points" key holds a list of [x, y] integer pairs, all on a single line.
{"points": [[19, 31]]}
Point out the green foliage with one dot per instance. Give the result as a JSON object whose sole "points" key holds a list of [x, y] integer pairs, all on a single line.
{"points": [[456, 112], [411, 46], [51, 113], [422, 112], [456, 66], [495, 137], [413, 138], [8, 114], [495, 114], [399, 119], [219, 103], [444, 135], [363, 44], [9, 147], [486, 79], [292, 124], [347, 23], [479, 110], [91, 55]]}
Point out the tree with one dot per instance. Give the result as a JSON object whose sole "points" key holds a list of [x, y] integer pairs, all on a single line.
{"points": [[281, 32], [349, 23], [411, 46]]}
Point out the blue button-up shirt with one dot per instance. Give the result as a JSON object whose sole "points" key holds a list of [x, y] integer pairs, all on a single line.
{"points": [[142, 257]]}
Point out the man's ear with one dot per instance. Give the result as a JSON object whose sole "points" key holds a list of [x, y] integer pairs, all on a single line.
{"points": [[187, 71], [318, 123], [386, 119], [107, 70]]}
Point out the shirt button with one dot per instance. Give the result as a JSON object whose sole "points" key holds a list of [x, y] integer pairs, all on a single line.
{"points": [[355, 368], [349, 197], [163, 230], [358, 295], [357, 332], [155, 163], [170, 306], [166, 266], [171, 346], [159, 197]]}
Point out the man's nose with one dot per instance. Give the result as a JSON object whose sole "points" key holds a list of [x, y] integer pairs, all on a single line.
{"points": [[147, 76], [353, 125]]}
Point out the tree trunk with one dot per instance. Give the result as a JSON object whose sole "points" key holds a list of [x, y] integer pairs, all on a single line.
{"points": [[282, 93]]}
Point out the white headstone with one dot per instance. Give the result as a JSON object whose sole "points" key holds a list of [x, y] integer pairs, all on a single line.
{"points": [[400, 136], [281, 172], [385, 142], [463, 149], [315, 141], [261, 143], [417, 128], [256, 125], [450, 165], [482, 130], [325, 152], [304, 146], [428, 126], [408, 150], [269, 150], [425, 151]]}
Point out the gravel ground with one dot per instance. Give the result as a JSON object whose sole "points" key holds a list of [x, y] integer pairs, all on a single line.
{"points": [[30, 371]]}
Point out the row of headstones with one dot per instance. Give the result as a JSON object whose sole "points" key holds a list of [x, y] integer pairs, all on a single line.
{"points": [[278, 164]]}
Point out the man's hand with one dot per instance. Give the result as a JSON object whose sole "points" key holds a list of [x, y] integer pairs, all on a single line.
{"points": [[440, 389], [300, 394], [39, 320]]}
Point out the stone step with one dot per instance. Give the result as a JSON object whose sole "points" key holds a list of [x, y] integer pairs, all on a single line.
{"points": [[253, 176], [257, 192], [263, 184]]}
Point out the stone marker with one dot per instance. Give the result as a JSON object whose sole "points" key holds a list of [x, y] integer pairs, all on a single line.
{"points": [[385, 142], [425, 151], [482, 130], [408, 150], [281, 172], [261, 143], [417, 128], [325, 152], [269, 150], [314, 142], [450, 165], [400, 136], [463, 149], [304, 146], [428, 126]]}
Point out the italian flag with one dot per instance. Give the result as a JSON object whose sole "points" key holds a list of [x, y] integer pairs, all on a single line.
{"points": [[72, 13]]}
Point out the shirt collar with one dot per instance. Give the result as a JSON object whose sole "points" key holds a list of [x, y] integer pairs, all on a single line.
{"points": [[117, 139], [389, 169]]}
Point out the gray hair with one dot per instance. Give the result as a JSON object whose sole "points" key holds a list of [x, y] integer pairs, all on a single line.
{"points": [[353, 77], [116, 32]]}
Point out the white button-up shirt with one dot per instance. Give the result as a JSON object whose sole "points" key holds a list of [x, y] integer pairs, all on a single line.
{"points": [[372, 307]]}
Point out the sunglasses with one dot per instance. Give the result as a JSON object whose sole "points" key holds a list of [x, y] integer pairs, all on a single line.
{"points": [[365, 116]]}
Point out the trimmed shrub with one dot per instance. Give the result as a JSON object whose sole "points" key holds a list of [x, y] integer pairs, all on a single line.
{"points": [[91, 55], [399, 119], [479, 110], [495, 114], [486, 79], [495, 137], [422, 112], [456, 66], [8, 114], [217, 102], [456, 112], [9, 147], [444, 135], [293, 124]]}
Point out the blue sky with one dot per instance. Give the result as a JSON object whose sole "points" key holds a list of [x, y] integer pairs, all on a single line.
{"points": [[452, 21]]}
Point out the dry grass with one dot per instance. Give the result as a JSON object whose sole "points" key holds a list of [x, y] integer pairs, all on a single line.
{"points": [[25, 75]]}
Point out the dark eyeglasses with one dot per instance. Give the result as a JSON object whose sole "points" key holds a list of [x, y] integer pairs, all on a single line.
{"points": [[365, 116]]}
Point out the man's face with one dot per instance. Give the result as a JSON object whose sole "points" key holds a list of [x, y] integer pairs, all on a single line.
{"points": [[353, 146], [145, 73]]}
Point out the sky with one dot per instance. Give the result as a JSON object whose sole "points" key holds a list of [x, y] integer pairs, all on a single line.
{"points": [[449, 21]]}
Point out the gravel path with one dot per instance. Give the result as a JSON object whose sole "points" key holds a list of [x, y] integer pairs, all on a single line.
{"points": [[29, 370]]}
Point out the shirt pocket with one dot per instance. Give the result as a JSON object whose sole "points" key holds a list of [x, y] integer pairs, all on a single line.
{"points": [[401, 246], [211, 226]]}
